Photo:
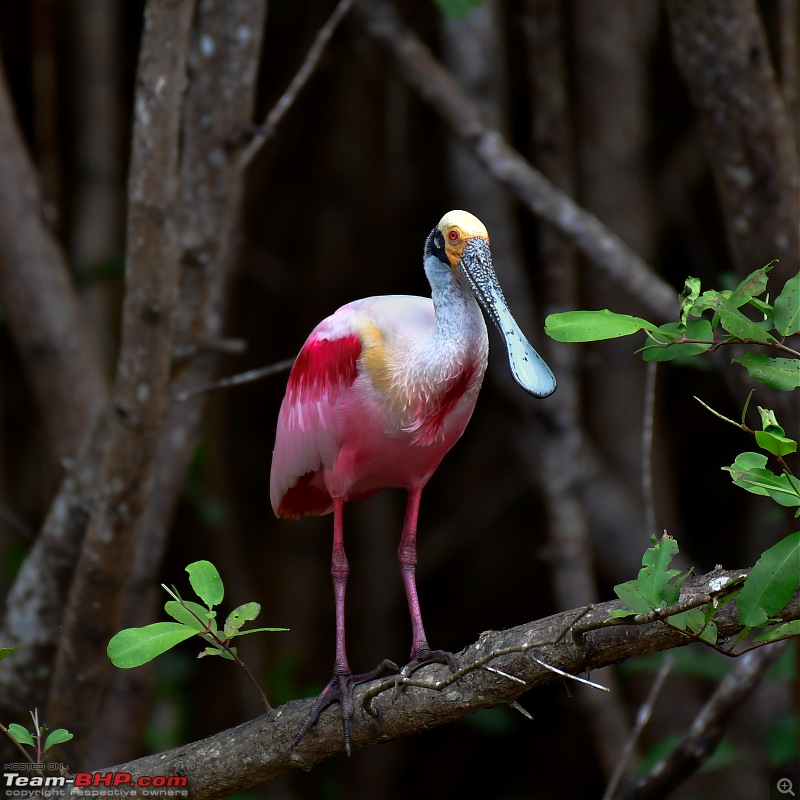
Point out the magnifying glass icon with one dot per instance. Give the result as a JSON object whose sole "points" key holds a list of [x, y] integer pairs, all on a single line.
{"points": [[785, 786]]}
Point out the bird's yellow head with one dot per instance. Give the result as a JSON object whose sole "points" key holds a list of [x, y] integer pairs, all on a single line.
{"points": [[456, 228], [460, 242]]}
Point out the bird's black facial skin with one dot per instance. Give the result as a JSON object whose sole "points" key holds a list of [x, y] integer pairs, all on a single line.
{"points": [[434, 246]]}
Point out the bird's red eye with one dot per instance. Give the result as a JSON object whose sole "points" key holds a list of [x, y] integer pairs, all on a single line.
{"points": [[453, 236]]}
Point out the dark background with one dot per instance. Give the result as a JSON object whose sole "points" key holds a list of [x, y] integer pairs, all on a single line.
{"points": [[337, 206]]}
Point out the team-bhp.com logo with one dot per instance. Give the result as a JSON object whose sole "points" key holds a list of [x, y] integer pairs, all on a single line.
{"points": [[94, 784]]}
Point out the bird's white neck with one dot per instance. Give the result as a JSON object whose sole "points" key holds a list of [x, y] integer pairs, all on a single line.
{"points": [[460, 327]]}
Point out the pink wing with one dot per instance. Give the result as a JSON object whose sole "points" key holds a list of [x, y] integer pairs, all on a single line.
{"points": [[307, 435]]}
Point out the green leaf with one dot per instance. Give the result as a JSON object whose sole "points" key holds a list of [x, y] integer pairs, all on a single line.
{"points": [[772, 437], [245, 613], [592, 326], [791, 628], [618, 613], [668, 336], [769, 422], [457, 9], [58, 736], [709, 632], [690, 293], [775, 444], [206, 582], [752, 286], [787, 308], [182, 612], [680, 620], [747, 461], [20, 734], [749, 473], [777, 373], [765, 308], [732, 319], [783, 489], [693, 619], [217, 651], [5, 652], [133, 647], [771, 583], [653, 579], [629, 593]]}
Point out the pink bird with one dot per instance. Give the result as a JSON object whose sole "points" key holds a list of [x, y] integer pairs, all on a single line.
{"points": [[381, 390]]}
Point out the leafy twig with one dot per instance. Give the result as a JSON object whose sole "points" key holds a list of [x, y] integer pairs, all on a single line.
{"points": [[133, 647], [222, 644], [25, 754], [715, 344]]}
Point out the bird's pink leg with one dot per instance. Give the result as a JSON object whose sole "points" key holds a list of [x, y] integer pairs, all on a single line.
{"points": [[340, 686], [421, 652], [340, 569]]}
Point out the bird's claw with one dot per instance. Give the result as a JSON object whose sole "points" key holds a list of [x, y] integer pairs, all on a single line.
{"points": [[420, 659], [340, 690]]}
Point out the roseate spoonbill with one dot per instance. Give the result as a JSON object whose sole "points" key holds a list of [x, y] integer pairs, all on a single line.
{"points": [[381, 390]]}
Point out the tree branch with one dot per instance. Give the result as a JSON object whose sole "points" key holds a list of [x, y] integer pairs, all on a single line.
{"points": [[140, 395], [709, 726], [267, 129], [35, 603], [260, 750], [721, 49], [605, 251], [642, 718], [556, 462], [58, 352], [219, 99]]}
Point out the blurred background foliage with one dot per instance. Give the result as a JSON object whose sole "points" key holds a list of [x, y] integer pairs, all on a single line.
{"points": [[338, 205]]}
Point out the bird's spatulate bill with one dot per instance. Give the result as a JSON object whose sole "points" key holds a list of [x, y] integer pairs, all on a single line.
{"points": [[527, 367]]}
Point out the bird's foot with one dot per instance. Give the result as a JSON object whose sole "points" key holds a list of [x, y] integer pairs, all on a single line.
{"points": [[426, 656], [422, 658], [340, 690]]}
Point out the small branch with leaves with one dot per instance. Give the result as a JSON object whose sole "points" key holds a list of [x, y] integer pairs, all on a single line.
{"points": [[695, 334], [38, 738], [775, 578], [760, 595], [133, 647]]}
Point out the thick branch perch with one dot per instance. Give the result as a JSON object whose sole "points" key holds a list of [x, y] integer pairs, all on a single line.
{"points": [[261, 749]]}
